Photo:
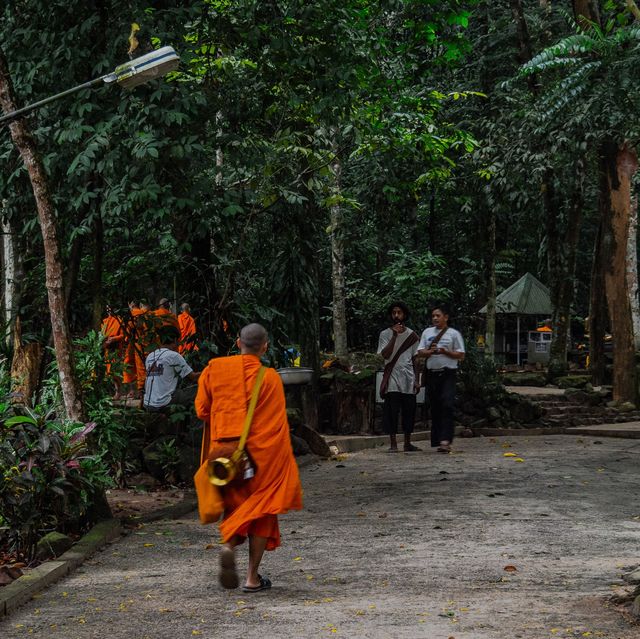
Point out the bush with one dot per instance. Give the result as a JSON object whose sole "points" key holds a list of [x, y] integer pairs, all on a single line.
{"points": [[479, 377], [47, 480]]}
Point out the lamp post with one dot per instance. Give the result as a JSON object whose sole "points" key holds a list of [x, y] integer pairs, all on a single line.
{"points": [[128, 75]]}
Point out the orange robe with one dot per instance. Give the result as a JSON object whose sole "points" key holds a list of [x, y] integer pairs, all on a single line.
{"points": [[111, 328], [139, 345], [224, 390], [129, 374], [166, 318], [187, 333]]}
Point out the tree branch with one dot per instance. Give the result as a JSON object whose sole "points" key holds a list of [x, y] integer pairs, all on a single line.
{"points": [[633, 7]]}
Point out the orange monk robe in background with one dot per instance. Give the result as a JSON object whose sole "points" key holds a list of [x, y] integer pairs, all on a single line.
{"points": [[166, 318], [111, 328], [250, 507], [129, 374], [139, 345], [187, 333]]}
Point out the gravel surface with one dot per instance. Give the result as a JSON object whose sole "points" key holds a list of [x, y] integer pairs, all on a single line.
{"points": [[398, 546]]}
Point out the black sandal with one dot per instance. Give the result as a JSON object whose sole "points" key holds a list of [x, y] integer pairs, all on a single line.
{"points": [[265, 584], [228, 573]]}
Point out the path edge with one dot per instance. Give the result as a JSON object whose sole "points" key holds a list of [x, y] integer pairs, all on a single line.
{"points": [[25, 587], [22, 589]]}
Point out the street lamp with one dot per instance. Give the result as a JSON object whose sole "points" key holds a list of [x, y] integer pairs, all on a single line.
{"points": [[129, 75]]}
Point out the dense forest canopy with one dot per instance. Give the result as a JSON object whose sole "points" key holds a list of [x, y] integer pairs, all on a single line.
{"points": [[311, 161]]}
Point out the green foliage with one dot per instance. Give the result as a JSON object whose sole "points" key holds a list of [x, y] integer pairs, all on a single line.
{"points": [[47, 478], [479, 377], [416, 278], [593, 85], [217, 182], [169, 459]]}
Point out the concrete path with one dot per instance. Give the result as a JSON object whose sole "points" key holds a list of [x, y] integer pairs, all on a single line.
{"points": [[471, 545]]}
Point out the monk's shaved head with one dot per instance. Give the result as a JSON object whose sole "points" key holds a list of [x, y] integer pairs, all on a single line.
{"points": [[185, 307], [253, 338]]}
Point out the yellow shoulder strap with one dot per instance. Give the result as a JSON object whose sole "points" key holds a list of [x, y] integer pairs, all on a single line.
{"points": [[252, 407]]}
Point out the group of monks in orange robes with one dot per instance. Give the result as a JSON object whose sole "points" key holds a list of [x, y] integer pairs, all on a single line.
{"points": [[129, 340]]}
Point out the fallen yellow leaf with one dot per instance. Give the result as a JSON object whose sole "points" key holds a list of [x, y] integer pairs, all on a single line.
{"points": [[297, 559], [148, 545], [509, 455], [518, 459]]}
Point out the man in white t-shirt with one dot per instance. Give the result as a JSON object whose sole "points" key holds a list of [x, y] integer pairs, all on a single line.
{"points": [[165, 368], [443, 348], [398, 345]]}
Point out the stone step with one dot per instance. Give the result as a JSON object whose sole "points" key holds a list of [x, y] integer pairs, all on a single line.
{"points": [[567, 410], [553, 405]]}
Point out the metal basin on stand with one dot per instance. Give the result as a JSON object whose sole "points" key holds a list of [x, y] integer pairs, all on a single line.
{"points": [[300, 393], [295, 375]]}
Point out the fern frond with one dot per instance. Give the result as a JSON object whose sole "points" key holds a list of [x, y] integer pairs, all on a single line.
{"points": [[571, 46], [552, 64], [566, 91]]}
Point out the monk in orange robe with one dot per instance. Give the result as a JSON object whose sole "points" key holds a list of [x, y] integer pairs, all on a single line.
{"points": [[187, 330], [141, 344], [250, 506], [164, 315], [129, 374], [111, 328]]}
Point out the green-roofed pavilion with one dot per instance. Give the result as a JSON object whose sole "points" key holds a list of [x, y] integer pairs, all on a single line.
{"points": [[527, 296]]}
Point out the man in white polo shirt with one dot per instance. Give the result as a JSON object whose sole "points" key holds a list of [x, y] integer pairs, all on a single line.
{"points": [[165, 368], [443, 348]]}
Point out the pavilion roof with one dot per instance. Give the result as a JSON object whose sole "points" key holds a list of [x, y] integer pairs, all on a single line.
{"points": [[527, 296]]}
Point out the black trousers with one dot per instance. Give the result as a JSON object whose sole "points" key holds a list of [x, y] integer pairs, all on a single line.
{"points": [[394, 405], [441, 391]]}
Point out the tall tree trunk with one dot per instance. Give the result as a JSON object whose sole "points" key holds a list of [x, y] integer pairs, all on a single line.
{"points": [[73, 270], [632, 272], [562, 266], [618, 165], [432, 229], [338, 271], [9, 256], [585, 12], [490, 265], [25, 144], [98, 296], [597, 313]]}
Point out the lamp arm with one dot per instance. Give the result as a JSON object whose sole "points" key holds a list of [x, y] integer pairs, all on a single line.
{"points": [[9, 117]]}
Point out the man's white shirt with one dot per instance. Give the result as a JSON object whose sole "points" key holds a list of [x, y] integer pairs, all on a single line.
{"points": [[164, 369], [451, 340], [402, 377]]}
